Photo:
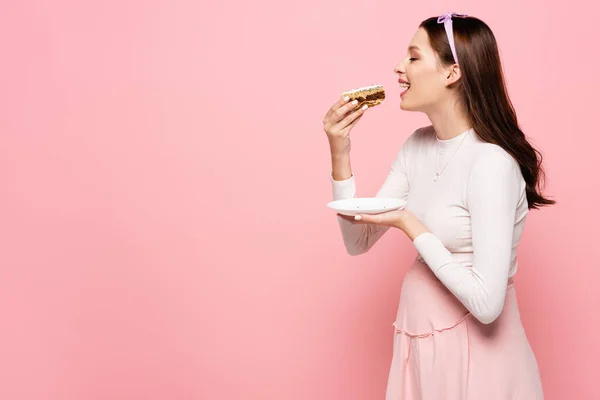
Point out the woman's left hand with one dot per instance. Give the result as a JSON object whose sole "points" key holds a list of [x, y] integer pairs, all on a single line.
{"points": [[401, 219]]}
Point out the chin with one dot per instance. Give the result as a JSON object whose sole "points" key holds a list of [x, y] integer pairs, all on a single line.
{"points": [[405, 106]]}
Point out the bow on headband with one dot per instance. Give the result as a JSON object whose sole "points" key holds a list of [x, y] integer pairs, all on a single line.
{"points": [[446, 19]]}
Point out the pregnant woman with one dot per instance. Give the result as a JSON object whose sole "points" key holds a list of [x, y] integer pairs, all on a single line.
{"points": [[467, 182]]}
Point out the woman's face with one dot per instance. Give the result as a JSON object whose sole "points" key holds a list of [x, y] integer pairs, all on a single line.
{"points": [[422, 70]]}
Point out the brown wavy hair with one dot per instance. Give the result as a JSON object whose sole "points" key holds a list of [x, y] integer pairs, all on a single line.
{"points": [[482, 90]]}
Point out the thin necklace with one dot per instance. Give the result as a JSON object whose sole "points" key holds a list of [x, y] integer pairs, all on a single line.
{"points": [[438, 173]]}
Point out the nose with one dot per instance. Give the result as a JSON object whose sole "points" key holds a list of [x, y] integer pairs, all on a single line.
{"points": [[399, 68]]}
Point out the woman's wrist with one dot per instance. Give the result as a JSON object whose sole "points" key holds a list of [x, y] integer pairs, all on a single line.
{"points": [[418, 231], [411, 226]]}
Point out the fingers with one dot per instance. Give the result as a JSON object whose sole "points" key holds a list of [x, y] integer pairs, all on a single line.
{"points": [[342, 112], [358, 219], [365, 219], [369, 218], [388, 218], [346, 217], [333, 109], [336, 106], [352, 117], [355, 121], [335, 115], [346, 130]]}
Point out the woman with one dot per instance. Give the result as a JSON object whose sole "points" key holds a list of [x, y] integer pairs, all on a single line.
{"points": [[467, 182]]}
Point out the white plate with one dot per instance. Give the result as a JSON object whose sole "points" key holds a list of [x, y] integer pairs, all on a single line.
{"points": [[365, 205]]}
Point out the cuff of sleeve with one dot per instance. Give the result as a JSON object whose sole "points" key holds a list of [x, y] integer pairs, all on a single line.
{"points": [[433, 251], [345, 189]]}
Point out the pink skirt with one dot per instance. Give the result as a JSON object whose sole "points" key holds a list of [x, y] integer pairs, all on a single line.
{"points": [[440, 351]]}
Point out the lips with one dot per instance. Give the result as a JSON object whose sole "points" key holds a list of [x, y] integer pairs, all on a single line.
{"points": [[404, 84]]}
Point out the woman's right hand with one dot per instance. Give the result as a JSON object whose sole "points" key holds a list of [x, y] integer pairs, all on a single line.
{"points": [[339, 121]]}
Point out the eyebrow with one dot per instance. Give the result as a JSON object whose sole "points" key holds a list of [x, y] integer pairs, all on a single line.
{"points": [[413, 47]]}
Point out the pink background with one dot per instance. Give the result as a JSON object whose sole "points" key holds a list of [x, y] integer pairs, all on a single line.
{"points": [[164, 177]]}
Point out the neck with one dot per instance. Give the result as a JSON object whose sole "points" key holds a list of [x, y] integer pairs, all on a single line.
{"points": [[449, 120]]}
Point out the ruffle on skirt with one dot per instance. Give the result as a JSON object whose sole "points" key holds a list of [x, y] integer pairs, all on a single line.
{"points": [[430, 365]]}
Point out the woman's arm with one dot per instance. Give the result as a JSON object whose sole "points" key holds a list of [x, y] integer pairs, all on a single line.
{"points": [[359, 238], [495, 188]]}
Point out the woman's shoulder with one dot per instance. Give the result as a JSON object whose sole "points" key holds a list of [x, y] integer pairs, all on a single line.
{"points": [[491, 152], [492, 159]]}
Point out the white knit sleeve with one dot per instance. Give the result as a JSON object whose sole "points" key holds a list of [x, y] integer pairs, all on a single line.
{"points": [[359, 238], [495, 188]]}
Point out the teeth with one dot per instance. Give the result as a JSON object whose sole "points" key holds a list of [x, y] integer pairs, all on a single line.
{"points": [[406, 85]]}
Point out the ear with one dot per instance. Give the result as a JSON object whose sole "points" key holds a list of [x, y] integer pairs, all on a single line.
{"points": [[453, 74]]}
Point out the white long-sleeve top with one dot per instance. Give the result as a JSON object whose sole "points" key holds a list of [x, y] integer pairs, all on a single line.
{"points": [[475, 213]]}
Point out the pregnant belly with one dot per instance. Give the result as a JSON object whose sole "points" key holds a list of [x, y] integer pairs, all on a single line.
{"points": [[426, 306]]}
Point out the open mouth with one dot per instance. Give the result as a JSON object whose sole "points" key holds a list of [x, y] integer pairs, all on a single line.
{"points": [[405, 86]]}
